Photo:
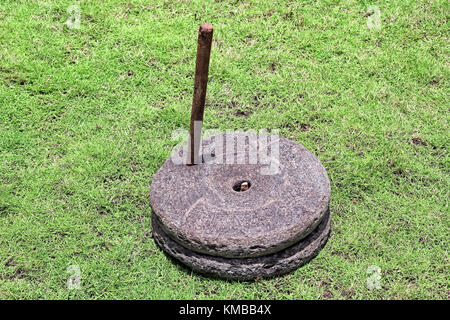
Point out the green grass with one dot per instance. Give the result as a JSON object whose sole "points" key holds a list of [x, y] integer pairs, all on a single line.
{"points": [[86, 117]]}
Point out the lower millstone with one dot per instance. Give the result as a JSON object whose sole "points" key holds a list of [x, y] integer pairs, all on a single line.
{"points": [[278, 263]]}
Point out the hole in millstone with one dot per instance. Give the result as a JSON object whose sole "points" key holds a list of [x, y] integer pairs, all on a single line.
{"points": [[242, 185]]}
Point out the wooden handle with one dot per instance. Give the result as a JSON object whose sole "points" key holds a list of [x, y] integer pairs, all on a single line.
{"points": [[205, 34]]}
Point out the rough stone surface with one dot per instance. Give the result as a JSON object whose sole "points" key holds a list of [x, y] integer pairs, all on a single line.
{"points": [[274, 264], [199, 209]]}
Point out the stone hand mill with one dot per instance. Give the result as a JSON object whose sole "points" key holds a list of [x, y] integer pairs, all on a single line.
{"points": [[235, 219]]}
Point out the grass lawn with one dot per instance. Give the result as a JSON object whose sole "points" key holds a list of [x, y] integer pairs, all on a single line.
{"points": [[86, 119]]}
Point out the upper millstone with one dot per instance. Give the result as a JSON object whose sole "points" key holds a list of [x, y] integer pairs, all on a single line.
{"points": [[286, 197]]}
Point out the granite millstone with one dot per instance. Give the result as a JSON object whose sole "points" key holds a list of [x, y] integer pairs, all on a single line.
{"points": [[287, 198], [271, 265]]}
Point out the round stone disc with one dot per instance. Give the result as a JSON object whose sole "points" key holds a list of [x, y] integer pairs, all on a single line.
{"points": [[271, 265], [202, 208]]}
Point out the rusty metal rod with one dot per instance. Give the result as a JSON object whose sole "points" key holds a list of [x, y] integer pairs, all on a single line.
{"points": [[205, 34]]}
